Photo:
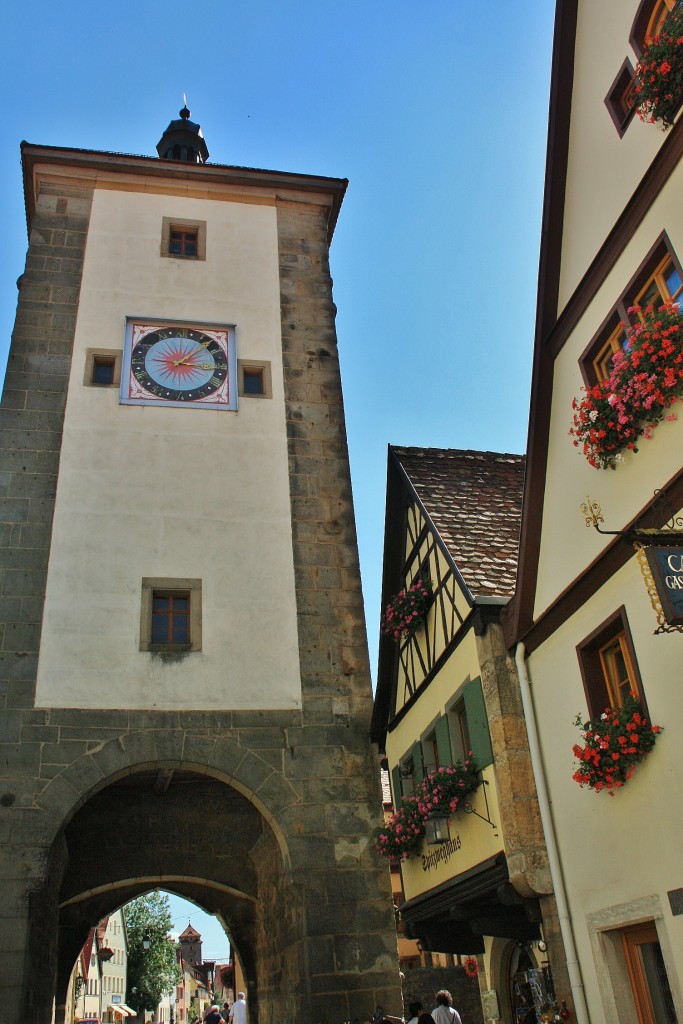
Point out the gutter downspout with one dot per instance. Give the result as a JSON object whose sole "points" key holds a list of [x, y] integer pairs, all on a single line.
{"points": [[573, 966]]}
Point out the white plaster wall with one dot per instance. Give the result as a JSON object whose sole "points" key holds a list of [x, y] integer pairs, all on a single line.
{"points": [[165, 492], [603, 170], [567, 546], [614, 849]]}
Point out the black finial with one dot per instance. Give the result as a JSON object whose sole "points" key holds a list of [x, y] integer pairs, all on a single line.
{"points": [[185, 113]]}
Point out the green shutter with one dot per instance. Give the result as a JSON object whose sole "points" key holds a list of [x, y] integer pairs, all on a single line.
{"points": [[418, 767], [477, 723], [443, 741], [396, 787]]}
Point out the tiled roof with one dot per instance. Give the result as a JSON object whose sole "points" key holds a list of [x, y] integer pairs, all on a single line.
{"points": [[474, 500]]}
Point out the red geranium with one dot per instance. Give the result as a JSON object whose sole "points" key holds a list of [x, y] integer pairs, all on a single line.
{"points": [[646, 378], [659, 73], [613, 745]]}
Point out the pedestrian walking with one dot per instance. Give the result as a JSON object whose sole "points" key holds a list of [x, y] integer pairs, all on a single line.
{"points": [[443, 1012], [238, 1012]]}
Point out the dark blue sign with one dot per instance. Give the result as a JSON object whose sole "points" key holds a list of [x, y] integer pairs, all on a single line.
{"points": [[666, 566]]}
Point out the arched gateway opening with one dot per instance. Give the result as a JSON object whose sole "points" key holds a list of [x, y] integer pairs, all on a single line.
{"points": [[198, 837], [296, 904], [195, 836]]}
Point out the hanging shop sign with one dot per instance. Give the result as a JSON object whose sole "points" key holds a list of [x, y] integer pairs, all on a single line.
{"points": [[666, 566]]}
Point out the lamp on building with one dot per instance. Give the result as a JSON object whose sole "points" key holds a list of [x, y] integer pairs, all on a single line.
{"points": [[436, 828]]}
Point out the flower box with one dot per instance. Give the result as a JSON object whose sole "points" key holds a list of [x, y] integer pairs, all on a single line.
{"points": [[645, 380], [659, 74]]}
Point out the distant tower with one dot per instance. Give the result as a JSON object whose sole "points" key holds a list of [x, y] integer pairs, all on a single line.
{"points": [[191, 945], [184, 683]]}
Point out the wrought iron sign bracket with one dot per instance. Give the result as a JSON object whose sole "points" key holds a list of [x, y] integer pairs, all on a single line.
{"points": [[660, 560]]}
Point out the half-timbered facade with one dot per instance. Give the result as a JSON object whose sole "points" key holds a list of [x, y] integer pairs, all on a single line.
{"points": [[448, 692], [587, 622]]}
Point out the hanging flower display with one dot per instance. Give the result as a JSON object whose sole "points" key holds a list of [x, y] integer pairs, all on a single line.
{"points": [[443, 791], [645, 380], [406, 611], [471, 967], [613, 745], [659, 74]]}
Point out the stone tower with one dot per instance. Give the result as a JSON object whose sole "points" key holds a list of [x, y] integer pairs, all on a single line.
{"points": [[184, 685]]}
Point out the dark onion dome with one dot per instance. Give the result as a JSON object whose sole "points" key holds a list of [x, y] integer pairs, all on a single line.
{"points": [[183, 140]]}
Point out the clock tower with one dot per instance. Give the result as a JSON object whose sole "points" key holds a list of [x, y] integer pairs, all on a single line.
{"points": [[184, 674]]}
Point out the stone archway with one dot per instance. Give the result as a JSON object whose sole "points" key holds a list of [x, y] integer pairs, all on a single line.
{"points": [[283, 858]]}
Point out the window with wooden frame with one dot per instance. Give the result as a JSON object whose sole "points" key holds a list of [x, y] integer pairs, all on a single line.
{"points": [[460, 738], [658, 280], [647, 974], [170, 618], [183, 242], [608, 665], [102, 367], [621, 98], [436, 746], [648, 22], [254, 378], [183, 239]]}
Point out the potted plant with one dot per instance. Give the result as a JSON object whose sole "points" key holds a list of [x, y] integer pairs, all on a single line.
{"points": [[406, 610], [645, 380], [659, 74], [613, 745]]}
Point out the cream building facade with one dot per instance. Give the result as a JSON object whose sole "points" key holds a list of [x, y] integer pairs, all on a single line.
{"points": [[582, 618]]}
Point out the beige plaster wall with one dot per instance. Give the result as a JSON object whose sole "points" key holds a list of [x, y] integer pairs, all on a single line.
{"points": [[603, 169], [615, 849], [160, 492], [567, 546]]}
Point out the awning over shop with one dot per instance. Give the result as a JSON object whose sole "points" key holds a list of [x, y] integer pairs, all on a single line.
{"points": [[121, 1009], [131, 1013]]}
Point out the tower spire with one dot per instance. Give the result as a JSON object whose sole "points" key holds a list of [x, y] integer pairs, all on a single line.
{"points": [[183, 140]]}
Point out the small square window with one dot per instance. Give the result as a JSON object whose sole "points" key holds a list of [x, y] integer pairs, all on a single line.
{"points": [[608, 665], [183, 243], [253, 382], [102, 368], [621, 99], [183, 239], [254, 379], [170, 617]]}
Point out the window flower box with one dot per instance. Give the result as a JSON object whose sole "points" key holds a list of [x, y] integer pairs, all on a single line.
{"points": [[405, 612], [645, 380], [613, 745], [659, 74], [443, 791]]}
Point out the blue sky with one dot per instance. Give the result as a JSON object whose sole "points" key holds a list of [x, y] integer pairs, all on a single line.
{"points": [[437, 114]]}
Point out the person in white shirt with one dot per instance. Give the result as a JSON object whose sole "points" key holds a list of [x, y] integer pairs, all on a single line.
{"points": [[443, 1012], [238, 1013]]}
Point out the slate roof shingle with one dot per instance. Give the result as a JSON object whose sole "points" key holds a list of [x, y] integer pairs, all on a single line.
{"points": [[474, 500]]}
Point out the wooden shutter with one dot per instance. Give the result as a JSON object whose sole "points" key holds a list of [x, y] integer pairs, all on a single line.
{"points": [[477, 723], [418, 767], [443, 741], [396, 787]]}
